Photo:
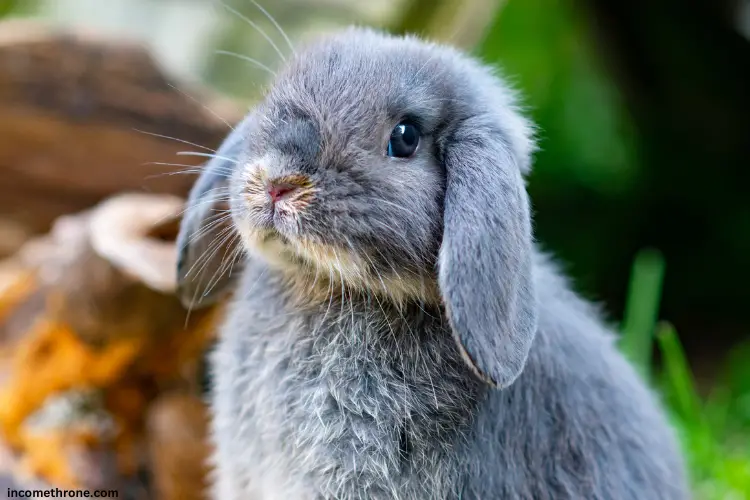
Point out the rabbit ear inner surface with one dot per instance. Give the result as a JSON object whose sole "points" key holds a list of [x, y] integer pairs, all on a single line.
{"points": [[485, 260]]}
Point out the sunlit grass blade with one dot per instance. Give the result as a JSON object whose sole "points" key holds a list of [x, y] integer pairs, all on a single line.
{"points": [[642, 308], [679, 377]]}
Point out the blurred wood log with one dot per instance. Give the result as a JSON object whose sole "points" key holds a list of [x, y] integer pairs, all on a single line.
{"points": [[71, 105]]}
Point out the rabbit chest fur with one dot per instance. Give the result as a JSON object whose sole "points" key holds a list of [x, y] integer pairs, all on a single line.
{"points": [[355, 399]]}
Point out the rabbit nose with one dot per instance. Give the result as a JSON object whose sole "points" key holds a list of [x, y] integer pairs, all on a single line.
{"points": [[280, 190]]}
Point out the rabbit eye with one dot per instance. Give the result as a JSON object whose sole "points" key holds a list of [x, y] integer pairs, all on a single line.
{"points": [[404, 140]]}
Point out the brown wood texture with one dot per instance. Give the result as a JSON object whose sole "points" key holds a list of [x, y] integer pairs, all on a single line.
{"points": [[71, 105]]}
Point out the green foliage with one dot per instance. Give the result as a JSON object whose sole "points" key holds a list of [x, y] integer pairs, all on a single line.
{"points": [[16, 7], [585, 136], [711, 429], [6, 6], [642, 308]]}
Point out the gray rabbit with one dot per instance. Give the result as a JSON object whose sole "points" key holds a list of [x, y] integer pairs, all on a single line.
{"points": [[394, 332]]}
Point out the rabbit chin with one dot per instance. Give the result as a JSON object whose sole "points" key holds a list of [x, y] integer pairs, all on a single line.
{"points": [[314, 271]]}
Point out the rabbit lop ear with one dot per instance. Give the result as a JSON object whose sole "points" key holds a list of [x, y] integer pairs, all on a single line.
{"points": [[206, 248], [485, 260]]}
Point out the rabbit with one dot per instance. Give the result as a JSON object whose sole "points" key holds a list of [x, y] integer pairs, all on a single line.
{"points": [[394, 330]]}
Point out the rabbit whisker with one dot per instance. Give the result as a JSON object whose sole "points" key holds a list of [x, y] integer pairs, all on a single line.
{"points": [[204, 258], [211, 200], [235, 258], [190, 307], [176, 215], [251, 288], [206, 155], [223, 265], [213, 195], [187, 171], [197, 168], [247, 59], [175, 139], [199, 275], [169, 174], [276, 25], [225, 122], [253, 25], [204, 230]]}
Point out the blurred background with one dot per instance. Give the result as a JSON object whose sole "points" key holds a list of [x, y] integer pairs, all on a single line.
{"points": [[640, 186]]}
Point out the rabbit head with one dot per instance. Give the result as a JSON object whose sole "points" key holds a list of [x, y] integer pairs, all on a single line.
{"points": [[390, 166]]}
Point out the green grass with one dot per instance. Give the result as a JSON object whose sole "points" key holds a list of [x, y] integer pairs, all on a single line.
{"points": [[714, 430]]}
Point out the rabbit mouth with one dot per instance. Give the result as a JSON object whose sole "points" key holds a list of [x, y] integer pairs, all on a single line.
{"points": [[308, 254]]}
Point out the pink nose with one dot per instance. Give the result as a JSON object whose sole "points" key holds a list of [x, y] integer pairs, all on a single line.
{"points": [[280, 190]]}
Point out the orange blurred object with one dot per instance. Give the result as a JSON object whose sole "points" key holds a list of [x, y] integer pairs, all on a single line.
{"points": [[104, 335]]}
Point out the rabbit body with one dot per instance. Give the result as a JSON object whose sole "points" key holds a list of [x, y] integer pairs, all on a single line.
{"points": [[395, 333], [350, 401]]}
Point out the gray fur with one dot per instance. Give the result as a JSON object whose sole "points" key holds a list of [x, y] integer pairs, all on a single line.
{"points": [[396, 334]]}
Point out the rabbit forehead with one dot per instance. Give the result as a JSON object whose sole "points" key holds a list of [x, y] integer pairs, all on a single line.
{"points": [[355, 85], [361, 79]]}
